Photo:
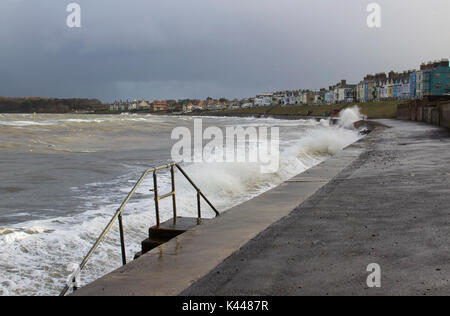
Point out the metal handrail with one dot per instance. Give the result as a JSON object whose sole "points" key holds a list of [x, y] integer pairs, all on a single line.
{"points": [[118, 215]]}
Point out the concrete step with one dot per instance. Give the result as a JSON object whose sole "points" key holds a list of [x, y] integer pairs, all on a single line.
{"points": [[169, 230], [137, 255], [151, 243]]}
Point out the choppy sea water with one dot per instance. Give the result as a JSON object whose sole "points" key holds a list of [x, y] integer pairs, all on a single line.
{"points": [[63, 176]]}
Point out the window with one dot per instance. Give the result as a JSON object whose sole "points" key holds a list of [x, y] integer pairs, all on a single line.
{"points": [[438, 86], [438, 76]]}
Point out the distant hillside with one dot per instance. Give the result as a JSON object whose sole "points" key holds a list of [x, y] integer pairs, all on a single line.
{"points": [[49, 105]]}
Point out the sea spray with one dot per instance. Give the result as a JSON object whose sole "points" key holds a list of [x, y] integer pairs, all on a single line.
{"points": [[349, 116]]}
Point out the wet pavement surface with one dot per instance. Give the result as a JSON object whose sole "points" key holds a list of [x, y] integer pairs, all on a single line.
{"points": [[390, 206]]}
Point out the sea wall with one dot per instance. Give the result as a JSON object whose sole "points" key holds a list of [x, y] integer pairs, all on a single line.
{"points": [[333, 120], [445, 110], [434, 111]]}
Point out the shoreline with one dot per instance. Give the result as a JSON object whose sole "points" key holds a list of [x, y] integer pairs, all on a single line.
{"points": [[174, 266], [230, 115]]}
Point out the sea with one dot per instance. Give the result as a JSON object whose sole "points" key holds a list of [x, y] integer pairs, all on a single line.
{"points": [[62, 177]]}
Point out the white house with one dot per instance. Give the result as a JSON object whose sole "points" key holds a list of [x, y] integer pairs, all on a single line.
{"points": [[264, 99], [290, 99], [405, 89], [318, 98], [336, 95], [132, 105], [386, 84], [143, 105]]}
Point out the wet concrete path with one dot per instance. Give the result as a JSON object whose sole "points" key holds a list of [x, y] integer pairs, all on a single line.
{"points": [[390, 206]]}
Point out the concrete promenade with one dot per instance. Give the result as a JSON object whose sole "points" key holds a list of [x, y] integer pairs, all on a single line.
{"points": [[391, 206], [384, 200]]}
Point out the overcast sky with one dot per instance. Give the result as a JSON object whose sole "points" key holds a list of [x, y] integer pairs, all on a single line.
{"points": [[160, 49]]}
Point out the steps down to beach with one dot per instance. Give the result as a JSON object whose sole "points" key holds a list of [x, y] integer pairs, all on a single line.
{"points": [[159, 235]]}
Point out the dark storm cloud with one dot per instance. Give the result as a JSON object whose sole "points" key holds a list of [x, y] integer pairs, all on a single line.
{"points": [[199, 48]]}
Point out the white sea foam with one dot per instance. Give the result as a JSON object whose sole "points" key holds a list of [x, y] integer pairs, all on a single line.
{"points": [[349, 116], [34, 255], [50, 120], [82, 121], [24, 123]]}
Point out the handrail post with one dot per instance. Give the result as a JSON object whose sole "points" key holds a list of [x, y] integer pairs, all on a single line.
{"points": [[174, 200], [155, 189], [199, 205], [122, 240]]}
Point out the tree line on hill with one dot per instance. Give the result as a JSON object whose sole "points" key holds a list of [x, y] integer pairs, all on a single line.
{"points": [[50, 105]]}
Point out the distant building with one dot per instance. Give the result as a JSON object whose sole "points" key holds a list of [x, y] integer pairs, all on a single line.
{"points": [[382, 89], [211, 105], [188, 107], [299, 97], [327, 97], [391, 88], [143, 105], [405, 89], [307, 97], [317, 98], [115, 106], [395, 89], [437, 79], [342, 93], [132, 106], [264, 99], [235, 104], [359, 92], [159, 106], [290, 98], [420, 91], [199, 106], [413, 85], [432, 79], [124, 106]]}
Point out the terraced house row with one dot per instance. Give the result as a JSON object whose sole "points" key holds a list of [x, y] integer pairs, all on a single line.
{"points": [[432, 79]]}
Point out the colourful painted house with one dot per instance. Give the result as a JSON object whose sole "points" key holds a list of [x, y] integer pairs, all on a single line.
{"points": [[413, 85], [395, 91], [439, 81], [391, 89]]}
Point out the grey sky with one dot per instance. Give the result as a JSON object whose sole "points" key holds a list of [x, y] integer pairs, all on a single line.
{"points": [[198, 48]]}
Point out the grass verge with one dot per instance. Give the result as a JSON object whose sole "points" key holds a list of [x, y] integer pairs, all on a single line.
{"points": [[379, 109]]}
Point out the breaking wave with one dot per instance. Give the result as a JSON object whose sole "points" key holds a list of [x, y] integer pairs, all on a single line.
{"points": [[349, 116]]}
